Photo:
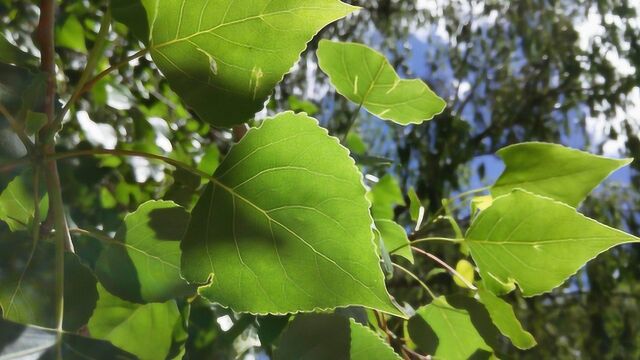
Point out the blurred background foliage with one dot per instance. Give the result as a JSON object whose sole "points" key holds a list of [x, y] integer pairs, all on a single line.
{"points": [[562, 71]]}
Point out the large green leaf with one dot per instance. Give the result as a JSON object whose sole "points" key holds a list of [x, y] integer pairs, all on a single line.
{"points": [[224, 57], [365, 77], [331, 336], [536, 242], [285, 226], [446, 331], [553, 170], [142, 264], [143, 330], [28, 342], [27, 284], [504, 318]]}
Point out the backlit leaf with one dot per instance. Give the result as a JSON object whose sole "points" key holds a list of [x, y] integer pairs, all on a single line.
{"points": [[143, 330], [269, 249], [365, 77], [331, 336], [445, 331], [224, 58], [552, 170], [142, 264], [535, 242], [395, 238], [504, 318]]}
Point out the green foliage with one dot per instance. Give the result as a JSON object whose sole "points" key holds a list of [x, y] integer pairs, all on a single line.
{"points": [[285, 248], [535, 242], [202, 49], [142, 263], [266, 232], [366, 78], [561, 173], [143, 330]]}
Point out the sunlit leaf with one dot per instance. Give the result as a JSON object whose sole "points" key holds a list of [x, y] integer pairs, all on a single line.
{"points": [[29, 342], [504, 318], [331, 336], [269, 249], [365, 77], [535, 242], [445, 331], [395, 238], [385, 195], [415, 205], [552, 170], [143, 330], [71, 35], [225, 58], [465, 269], [142, 263]]}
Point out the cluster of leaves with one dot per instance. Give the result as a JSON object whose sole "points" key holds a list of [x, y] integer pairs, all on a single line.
{"points": [[284, 224]]}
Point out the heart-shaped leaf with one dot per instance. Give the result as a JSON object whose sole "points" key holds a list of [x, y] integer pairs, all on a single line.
{"points": [[552, 170], [224, 57], [269, 249], [536, 242], [365, 77], [142, 264]]}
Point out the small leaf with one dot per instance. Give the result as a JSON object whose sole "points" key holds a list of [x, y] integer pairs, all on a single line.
{"points": [[445, 331], [365, 77], [331, 336], [274, 250], [209, 51], [71, 35], [34, 122], [415, 205], [395, 238], [535, 242], [480, 203], [143, 330], [142, 264], [552, 170], [17, 203], [385, 195], [504, 318], [28, 342], [465, 269]]}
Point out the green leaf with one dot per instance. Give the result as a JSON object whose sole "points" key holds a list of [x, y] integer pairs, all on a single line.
{"points": [[385, 195], [504, 318], [28, 342], [395, 238], [143, 330], [331, 336], [465, 269], [27, 284], [535, 242], [133, 15], [17, 203], [34, 121], [367, 345], [11, 54], [211, 54], [552, 170], [415, 205], [365, 77], [268, 249], [71, 35], [142, 263], [445, 331]]}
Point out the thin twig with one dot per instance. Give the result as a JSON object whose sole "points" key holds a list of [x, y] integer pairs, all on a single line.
{"points": [[416, 278], [446, 266]]}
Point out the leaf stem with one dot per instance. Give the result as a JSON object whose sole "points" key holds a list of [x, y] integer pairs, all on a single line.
{"points": [[416, 278], [446, 266], [93, 234], [352, 121]]}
